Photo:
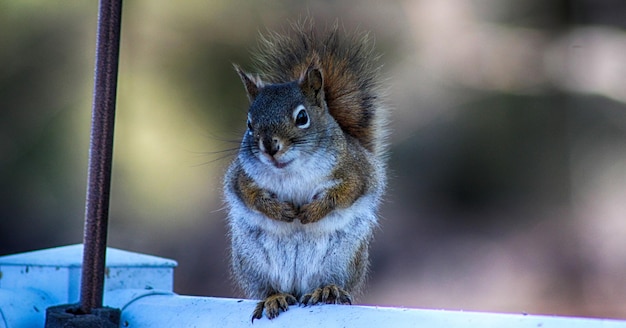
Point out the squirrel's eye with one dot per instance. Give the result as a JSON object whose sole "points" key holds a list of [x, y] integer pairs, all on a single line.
{"points": [[302, 118]]}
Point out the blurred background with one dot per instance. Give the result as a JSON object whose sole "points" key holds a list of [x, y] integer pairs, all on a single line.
{"points": [[507, 173]]}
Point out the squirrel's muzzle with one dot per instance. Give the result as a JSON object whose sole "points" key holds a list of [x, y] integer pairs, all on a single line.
{"points": [[270, 145]]}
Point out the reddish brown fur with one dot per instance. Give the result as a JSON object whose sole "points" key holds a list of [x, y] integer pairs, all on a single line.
{"points": [[349, 68]]}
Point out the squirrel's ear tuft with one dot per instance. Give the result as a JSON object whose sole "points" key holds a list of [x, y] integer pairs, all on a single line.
{"points": [[253, 84], [312, 85]]}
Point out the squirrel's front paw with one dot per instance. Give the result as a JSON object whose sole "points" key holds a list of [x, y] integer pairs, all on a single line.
{"points": [[273, 304], [286, 212], [331, 294], [312, 212], [277, 210]]}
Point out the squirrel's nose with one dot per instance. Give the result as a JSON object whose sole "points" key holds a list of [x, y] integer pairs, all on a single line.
{"points": [[270, 145]]}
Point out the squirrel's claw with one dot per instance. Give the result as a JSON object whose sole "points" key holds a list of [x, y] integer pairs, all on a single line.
{"points": [[331, 294], [258, 311], [273, 305]]}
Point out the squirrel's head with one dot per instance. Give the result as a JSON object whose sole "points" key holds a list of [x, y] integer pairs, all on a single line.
{"points": [[287, 120]]}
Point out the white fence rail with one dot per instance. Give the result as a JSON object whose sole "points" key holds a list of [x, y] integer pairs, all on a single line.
{"points": [[141, 286]]}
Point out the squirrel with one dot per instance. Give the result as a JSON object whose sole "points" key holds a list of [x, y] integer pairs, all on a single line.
{"points": [[303, 192]]}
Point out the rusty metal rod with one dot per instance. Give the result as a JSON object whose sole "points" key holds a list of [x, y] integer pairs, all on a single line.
{"points": [[100, 154]]}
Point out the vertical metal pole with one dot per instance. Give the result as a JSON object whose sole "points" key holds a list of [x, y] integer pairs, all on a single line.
{"points": [[100, 154]]}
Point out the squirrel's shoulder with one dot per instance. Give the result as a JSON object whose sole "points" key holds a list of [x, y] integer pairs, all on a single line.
{"points": [[353, 86]]}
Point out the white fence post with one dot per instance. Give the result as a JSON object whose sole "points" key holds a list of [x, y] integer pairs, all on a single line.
{"points": [[31, 282]]}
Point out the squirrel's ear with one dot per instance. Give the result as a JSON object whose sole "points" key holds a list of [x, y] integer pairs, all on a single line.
{"points": [[312, 85], [253, 84]]}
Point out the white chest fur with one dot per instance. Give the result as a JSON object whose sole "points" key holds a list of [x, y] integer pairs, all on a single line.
{"points": [[299, 182], [297, 258]]}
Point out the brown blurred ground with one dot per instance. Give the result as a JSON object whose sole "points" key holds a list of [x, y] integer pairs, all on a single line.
{"points": [[508, 156]]}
